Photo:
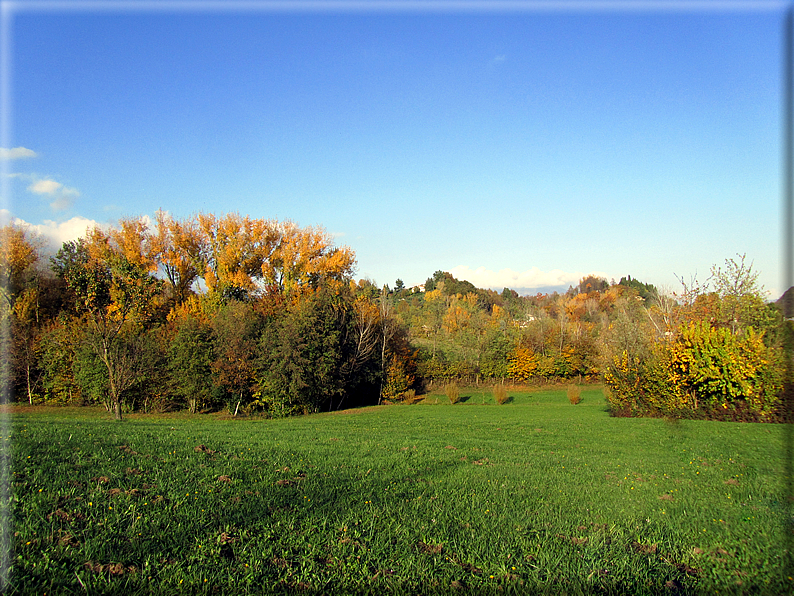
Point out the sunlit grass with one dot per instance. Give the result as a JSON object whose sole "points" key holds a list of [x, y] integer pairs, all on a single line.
{"points": [[533, 496]]}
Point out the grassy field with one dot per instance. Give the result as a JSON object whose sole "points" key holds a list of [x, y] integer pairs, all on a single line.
{"points": [[535, 496]]}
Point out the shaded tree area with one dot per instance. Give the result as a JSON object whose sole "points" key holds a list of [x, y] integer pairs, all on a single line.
{"points": [[205, 313]]}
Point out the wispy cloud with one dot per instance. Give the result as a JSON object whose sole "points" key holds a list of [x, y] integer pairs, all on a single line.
{"points": [[519, 280], [63, 197], [16, 153]]}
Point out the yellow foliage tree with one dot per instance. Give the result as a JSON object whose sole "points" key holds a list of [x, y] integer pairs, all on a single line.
{"points": [[301, 257], [18, 254], [523, 365]]}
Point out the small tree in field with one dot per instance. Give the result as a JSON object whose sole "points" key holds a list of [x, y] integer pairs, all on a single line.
{"points": [[500, 394], [453, 393], [574, 394]]}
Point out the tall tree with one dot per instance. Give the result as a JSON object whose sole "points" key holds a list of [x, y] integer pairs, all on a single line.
{"points": [[176, 246], [18, 255], [305, 258], [741, 296], [302, 355], [19, 310], [115, 296]]}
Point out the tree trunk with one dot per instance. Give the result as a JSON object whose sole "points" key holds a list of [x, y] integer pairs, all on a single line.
{"points": [[30, 392], [382, 368], [114, 394]]}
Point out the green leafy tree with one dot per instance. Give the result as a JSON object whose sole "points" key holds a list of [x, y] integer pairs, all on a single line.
{"points": [[495, 360], [235, 329], [59, 342], [303, 354], [114, 296], [91, 376], [190, 363], [646, 291]]}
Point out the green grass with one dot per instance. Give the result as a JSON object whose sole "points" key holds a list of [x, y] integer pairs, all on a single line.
{"points": [[535, 496]]}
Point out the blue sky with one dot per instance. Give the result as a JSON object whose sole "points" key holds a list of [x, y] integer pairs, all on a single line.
{"points": [[520, 148]]}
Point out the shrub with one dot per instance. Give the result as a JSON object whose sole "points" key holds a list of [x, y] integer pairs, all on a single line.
{"points": [[453, 393], [574, 394], [500, 394], [410, 397], [397, 379], [721, 369]]}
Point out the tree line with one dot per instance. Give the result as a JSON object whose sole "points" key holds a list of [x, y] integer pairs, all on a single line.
{"points": [[213, 312]]}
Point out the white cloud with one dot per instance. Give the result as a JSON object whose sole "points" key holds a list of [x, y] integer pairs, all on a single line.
{"points": [[524, 280], [63, 196], [16, 153], [53, 233], [45, 187]]}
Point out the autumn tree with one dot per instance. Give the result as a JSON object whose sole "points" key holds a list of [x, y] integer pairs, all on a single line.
{"points": [[25, 345], [305, 258], [131, 239], [233, 251], [18, 255], [20, 323], [588, 284], [114, 295], [177, 248]]}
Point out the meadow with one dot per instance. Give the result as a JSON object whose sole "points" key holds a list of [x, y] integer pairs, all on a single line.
{"points": [[534, 496]]}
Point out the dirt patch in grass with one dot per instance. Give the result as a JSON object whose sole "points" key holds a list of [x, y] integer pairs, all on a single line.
{"points": [[430, 549], [643, 549], [466, 566], [109, 568], [66, 539]]}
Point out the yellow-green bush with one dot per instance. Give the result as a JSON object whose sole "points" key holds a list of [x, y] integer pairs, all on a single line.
{"points": [[719, 369], [704, 372]]}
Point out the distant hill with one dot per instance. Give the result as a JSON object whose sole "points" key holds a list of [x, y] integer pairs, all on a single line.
{"points": [[786, 302]]}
